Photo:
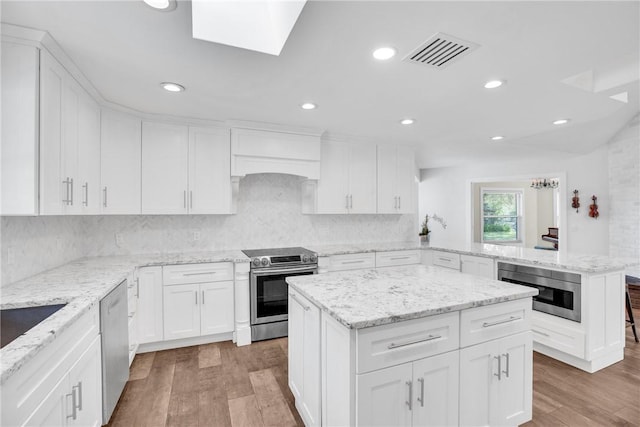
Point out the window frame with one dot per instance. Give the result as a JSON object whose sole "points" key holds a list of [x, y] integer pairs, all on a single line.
{"points": [[519, 193]]}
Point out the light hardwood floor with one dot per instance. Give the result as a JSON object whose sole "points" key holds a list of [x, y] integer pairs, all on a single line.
{"points": [[223, 385]]}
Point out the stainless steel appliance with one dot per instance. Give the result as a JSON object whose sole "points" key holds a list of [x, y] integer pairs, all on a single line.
{"points": [[268, 288], [115, 347], [559, 291]]}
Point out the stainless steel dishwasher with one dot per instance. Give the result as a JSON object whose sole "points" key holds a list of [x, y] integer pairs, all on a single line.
{"points": [[115, 347]]}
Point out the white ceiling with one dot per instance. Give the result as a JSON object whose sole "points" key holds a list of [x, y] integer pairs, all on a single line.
{"points": [[126, 49]]}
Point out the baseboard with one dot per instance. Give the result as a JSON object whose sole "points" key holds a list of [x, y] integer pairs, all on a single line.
{"points": [[590, 366], [184, 342]]}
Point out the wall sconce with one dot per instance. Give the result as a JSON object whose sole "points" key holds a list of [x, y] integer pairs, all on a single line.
{"points": [[541, 183]]}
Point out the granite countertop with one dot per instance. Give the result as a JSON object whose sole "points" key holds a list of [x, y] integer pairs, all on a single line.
{"points": [[80, 284], [342, 249], [543, 258], [365, 298]]}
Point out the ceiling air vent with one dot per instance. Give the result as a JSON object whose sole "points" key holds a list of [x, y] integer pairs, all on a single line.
{"points": [[440, 50]]}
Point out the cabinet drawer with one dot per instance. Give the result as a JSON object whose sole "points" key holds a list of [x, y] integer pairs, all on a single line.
{"points": [[401, 342], [446, 259], [553, 334], [197, 273], [390, 259], [352, 261], [494, 321]]}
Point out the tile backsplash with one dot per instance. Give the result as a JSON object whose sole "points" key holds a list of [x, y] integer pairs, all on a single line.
{"points": [[269, 207]]}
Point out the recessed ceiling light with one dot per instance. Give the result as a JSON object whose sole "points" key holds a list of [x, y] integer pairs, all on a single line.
{"points": [[163, 5], [172, 87], [406, 121], [308, 106], [492, 84], [497, 138], [561, 121], [384, 53]]}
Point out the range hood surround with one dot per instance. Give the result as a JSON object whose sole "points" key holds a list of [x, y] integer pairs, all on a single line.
{"points": [[272, 150]]}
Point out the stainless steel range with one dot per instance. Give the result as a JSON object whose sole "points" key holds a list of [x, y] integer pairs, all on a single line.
{"points": [[268, 288]]}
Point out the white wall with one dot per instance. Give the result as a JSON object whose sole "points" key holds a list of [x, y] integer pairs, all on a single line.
{"points": [[269, 207], [445, 192], [624, 193]]}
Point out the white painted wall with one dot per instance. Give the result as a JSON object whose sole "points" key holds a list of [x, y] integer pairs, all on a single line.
{"points": [[446, 192]]}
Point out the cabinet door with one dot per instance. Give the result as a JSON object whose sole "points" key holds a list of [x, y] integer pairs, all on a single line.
{"points": [[54, 408], [362, 178], [209, 171], [52, 189], [120, 157], [71, 95], [334, 178], [181, 311], [515, 386], [85, 379], [216, 308], [384, 396], [19, 168], [89, 197], [435, 383], [406, 189], [311, 400], [164, 168], [387, 163], [479, 377], [296, 346], [149, 313]]}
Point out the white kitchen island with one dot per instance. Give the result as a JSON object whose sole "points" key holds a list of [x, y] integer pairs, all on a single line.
{"points": [[411, 345]]}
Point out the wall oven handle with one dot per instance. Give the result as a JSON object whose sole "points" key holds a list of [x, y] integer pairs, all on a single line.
{"points": [[499, 322], [306, 307]]}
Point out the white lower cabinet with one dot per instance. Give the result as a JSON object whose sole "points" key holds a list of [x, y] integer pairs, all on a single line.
{"points": [[149, 311], [216, 308], [421, 393], [497, 382], [304, 362], [480, 266]]}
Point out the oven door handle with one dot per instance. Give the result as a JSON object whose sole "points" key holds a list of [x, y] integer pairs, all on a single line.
{"points": [[285, 271]]}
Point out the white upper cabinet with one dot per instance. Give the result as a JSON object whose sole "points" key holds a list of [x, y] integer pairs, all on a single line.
{"points": [[347, 178], [164, 168], [69, 143], [20, 76], [120, 160], [209, 171], [396, 182]]}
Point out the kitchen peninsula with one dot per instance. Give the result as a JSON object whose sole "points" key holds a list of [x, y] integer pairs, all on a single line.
{"points": [[391, 346]]}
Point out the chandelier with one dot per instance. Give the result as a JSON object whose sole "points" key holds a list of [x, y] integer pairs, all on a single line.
{"points": [[541, 183]]}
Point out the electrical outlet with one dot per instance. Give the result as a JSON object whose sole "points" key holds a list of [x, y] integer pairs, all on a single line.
{"points": [[11, 256], [119, 239], [196, 236]]}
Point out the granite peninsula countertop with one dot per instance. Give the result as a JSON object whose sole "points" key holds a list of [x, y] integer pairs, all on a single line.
{"points": [[343, 249], [543, 258], [80, 284], [365, 298]]}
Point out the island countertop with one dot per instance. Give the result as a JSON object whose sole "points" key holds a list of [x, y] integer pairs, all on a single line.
{"points": [[365, 298]]}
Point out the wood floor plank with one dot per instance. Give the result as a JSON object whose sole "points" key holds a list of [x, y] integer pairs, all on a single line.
{"points": [[154, 404], [209, 355], [274, 408], [127, 408], [213, 410], [236, 375], [631, 413], [141, 366], [183, 409], [244, 412]]}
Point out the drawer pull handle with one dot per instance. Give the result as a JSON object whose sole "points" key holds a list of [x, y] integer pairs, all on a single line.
{"points": [[421, 398], [404, 344], [359, 261], [306, 307], [499, 322], [506, 373], [410, 401], [202, 273], [446, 259], [399, 258], [540, 333]]}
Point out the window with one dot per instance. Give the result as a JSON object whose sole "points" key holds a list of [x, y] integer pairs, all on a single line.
{"points": [[501, 215]]}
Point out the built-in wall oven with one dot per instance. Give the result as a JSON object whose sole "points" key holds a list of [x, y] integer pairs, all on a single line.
{"points": [[559, 292], [269, 290]]}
